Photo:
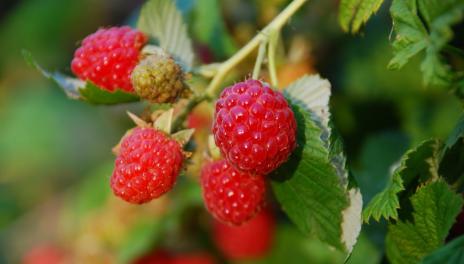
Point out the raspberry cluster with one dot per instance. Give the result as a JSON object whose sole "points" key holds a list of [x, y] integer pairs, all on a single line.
{"points": [[147, 165], [108, 56], [255, 129]]}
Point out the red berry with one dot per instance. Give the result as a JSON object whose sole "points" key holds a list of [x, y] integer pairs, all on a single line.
{"points": [[251, 240], [45, 254], [230, 195], [108, 56], [254, 127], [147, 165]]}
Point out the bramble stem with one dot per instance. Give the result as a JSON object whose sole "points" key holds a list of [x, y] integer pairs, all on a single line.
{"points": [[180, 118], [259, 60], [271, 65], [275, 25], [222, 69]]}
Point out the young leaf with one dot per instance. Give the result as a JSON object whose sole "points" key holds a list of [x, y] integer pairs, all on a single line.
{"points": [[413, 35], [312, 186], [417, 165], [353, 14], [452, 252], [435, 206], [161, 20], [81, 90]]}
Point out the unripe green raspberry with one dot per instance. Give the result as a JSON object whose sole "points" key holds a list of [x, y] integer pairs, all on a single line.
{"points": [[158, 78]]}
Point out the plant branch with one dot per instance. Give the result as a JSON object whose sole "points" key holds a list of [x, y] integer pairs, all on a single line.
{"points": [[180, 118], [271, 53], [275, 25], [259, 60], [220, 70]]}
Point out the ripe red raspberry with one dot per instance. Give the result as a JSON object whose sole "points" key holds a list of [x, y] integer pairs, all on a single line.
{"points": [[254, 127], [250, 240], [230, 195], [147, 165], [108, 56]]}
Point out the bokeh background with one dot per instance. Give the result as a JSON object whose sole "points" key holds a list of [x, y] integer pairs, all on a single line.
{"points": [[55, 153]]}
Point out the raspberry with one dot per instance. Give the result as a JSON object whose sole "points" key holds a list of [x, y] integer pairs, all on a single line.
{"points": [[254, 127], [158, 78], [250, 240], [108, 56], [230, 195], [147, 165]]}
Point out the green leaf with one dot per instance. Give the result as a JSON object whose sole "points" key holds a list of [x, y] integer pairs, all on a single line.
{"points": [[81, 90], [312, 186], [414, 35], [161, 20], [416, 166], [355, 13], [451, 253], [96, 95], [435, 207]]}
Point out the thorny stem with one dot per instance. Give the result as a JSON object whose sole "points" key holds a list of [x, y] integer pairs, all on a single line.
{"points": [[224, 68]]}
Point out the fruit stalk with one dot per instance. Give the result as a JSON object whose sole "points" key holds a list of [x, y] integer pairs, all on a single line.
{"points": [[275, 26], [214, 88]]}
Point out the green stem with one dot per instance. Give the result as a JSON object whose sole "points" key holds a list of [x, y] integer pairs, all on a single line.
{"points": [[276, 24], [222, 69], [259, 60], [271, 51], [180, 118]]}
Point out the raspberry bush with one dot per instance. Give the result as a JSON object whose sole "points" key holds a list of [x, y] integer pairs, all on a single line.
{"points": [[223, 164]]}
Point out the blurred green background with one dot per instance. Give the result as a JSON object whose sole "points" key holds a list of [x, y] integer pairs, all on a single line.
{"points": [[50, 147]]}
